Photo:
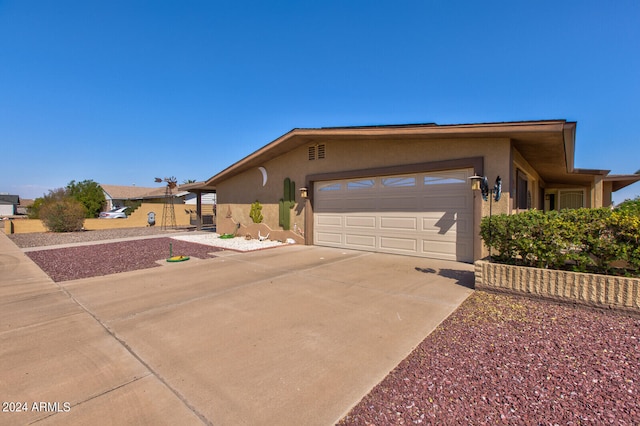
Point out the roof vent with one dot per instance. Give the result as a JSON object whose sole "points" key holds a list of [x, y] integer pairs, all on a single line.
{"points": [[316, 152]]}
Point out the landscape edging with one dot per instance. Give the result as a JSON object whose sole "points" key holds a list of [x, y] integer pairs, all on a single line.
{"points": [[603, 291]]}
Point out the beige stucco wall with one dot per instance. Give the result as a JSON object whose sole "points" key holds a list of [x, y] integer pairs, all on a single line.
{"points": [[535, 181], [136, 220], [237, 193]]}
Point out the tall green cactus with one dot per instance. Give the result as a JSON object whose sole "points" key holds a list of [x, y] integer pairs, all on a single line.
{"points": [[286, 203]]}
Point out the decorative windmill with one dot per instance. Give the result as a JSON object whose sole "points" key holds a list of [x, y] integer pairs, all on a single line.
{"points": [[168, 212]]}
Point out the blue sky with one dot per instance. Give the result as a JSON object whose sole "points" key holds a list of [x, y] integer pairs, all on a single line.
{"points": [[122, 91]]}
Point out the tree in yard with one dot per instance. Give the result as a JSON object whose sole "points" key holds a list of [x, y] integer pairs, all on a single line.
{"points": [[58, 211], [89, 194]]}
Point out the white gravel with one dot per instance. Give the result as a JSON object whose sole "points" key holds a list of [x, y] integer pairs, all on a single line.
{"points": [[237, 243]]}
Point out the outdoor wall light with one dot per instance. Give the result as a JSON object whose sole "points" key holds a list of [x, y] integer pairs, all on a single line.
{"points": [[475, 182], [304, 192]]}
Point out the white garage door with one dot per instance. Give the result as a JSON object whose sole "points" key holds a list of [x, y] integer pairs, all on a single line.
{"points": [[423, 214]]}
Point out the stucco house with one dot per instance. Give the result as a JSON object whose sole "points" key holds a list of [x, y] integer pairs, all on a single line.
{"points": [[9, 204], [405, 189], [116, 195]]}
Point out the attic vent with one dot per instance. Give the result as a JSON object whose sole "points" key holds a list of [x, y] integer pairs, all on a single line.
{"points": [[316, 152]]}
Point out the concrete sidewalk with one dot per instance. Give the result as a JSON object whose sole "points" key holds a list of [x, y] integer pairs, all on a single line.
{"points": [[293, 335]]}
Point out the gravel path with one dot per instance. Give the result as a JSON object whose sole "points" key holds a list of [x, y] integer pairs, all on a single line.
{"points": [[503, 359]]}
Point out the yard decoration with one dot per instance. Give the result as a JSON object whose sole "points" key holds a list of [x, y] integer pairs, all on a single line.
{"points": [[286, 204], [173, 258], [228, 236]]}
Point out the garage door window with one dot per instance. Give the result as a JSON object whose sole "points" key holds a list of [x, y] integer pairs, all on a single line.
{"points": [[395, 182], [330, 187], [443, 180], [361, 184]]}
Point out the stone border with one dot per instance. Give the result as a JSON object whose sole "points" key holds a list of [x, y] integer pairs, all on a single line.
{"points": [[601, 291]]}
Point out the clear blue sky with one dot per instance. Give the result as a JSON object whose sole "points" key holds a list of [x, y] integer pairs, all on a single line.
{"points": [[122, 91]]}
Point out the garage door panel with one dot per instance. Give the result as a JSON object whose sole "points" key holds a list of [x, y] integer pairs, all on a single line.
{"points": [[399, 203], [329, 238], [395, 244], [445, 202], [440, 250], [360, 222], [362, 241], [331, 206], [329, 220], [359, 204], [391, 223]]}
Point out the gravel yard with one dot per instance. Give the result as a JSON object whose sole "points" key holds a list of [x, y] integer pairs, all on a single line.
{"points": [[502, 359], [103, 258], [41, 239], [72, 263]]}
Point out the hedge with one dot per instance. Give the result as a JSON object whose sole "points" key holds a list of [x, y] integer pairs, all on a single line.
{"points": [[602, 241]]}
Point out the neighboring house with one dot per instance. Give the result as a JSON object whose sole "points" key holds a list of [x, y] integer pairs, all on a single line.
{"points": [[25, 204], [405, 189], [116, 195], [9, 204], [191, 199]]}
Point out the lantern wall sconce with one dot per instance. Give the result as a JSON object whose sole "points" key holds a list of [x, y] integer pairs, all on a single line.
{"points": [[304, 192], [475, 182]]}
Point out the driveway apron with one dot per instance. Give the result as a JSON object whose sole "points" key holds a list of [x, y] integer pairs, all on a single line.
{"points": [[292, 335]]}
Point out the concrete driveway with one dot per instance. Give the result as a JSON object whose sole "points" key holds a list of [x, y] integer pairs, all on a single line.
{"points": [[287, 336]]}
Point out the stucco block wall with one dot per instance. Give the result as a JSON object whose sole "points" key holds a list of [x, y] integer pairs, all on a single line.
{"points": [[589, 289], [137, 219]]}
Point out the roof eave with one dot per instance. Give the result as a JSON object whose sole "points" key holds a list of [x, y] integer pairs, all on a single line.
{"points": [[298, 136]]}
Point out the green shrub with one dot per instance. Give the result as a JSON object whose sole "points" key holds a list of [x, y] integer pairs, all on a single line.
{"points": [[65, 215], [90, 194], [588, 240], [256, 212], [631, 206]]}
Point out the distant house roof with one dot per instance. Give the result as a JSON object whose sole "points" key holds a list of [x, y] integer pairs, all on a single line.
{"points": [[9, 199], [126, 192], [121, 192]]}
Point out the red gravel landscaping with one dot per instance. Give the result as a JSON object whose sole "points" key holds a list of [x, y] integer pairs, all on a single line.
{"points": [[103, 259], [503, 359]]}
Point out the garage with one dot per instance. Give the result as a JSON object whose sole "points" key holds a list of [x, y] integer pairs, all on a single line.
{"points": [[421, 214]]}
